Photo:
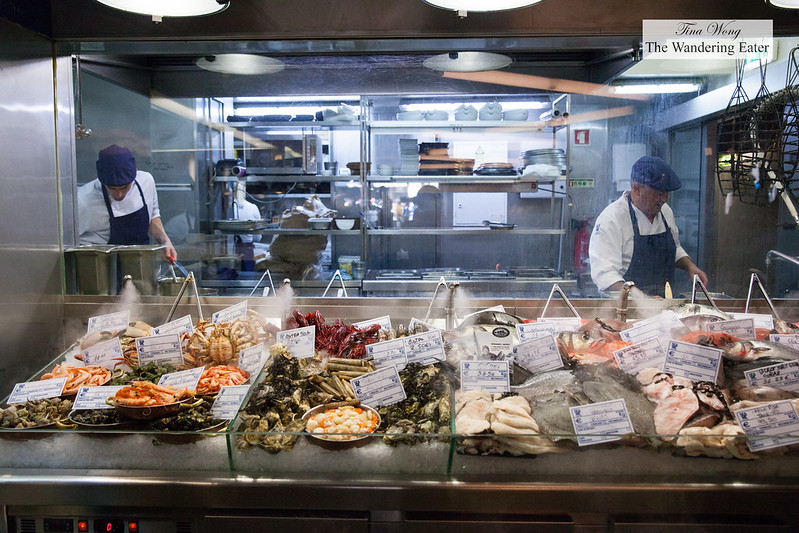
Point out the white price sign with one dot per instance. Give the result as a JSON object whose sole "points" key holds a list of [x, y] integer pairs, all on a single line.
{"points": [[299, 341]]}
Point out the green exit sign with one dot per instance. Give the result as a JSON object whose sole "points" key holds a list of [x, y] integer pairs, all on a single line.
{"points": [[584, 183]]}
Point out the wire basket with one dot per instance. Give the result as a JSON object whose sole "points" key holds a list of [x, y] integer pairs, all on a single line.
{"points": [[749, 143], [758, 141], [789, 141]]}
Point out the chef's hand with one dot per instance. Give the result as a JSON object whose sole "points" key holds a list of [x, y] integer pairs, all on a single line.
{"points": [[702, 276], [168, 253], [686, 264]]}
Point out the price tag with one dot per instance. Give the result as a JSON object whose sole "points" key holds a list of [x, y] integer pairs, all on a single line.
{"points": [[742, 328], [790, 340], [105, 354], [494, 345], [95, 397], [538, 355], [388, 353], [183, 378], [535, 330], [416, 322], [490, 376], [762, 321], [229, 400], [300, 341], [764, 424], [384, 321], [568, 323], [784, 376], [160, 349], [691, 361], [645, 354], [109, 322], [36, 390], [378, 388], [424, 348], [659, 326], [666, 320], [179, 326], [601, 422], [229, 314], [252, 360]]}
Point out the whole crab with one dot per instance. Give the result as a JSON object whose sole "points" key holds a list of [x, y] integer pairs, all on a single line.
{"points": [[219, 344]]}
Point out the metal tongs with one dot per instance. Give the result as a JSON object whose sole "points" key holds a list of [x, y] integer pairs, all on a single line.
{"points": [[188, 278], [557, 289], [271, 284], [698, 281], [342, 291], [756, 279]]}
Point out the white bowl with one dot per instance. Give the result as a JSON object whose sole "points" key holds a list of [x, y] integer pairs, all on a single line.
{"points": [[410, 115], [319, 223], [344, 223]]}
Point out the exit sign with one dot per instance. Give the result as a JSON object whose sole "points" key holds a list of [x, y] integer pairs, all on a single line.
{"points": [[581, 137], [584, 183]]}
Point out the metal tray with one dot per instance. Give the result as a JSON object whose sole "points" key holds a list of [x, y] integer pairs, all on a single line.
{"points": [[241, 225]]}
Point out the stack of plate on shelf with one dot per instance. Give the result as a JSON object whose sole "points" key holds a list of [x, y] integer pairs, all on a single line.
{"points": [[495, 169], [554, 157], [434, 160], [409, 157]]}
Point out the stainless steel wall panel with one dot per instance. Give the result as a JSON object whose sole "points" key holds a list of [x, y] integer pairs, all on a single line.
{"points": [[30, 250]]}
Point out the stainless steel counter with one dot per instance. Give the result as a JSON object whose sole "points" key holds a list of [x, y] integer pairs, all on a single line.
{"points": [[201, 502]]}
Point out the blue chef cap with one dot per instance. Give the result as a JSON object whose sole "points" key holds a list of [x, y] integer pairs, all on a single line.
{"points": [[116, 166], [656, 173]]}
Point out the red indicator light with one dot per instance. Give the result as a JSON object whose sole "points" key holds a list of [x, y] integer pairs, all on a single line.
{"points": [[133, 527], [83, 526]]}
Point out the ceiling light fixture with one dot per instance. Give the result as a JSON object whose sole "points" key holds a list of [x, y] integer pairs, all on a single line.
{"points": [[245, 64], [785, 4], [169, 8], [464, 6], [467, 62]]}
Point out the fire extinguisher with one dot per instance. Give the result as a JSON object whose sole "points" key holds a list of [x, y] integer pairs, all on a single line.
{"points": [[581, 239]]}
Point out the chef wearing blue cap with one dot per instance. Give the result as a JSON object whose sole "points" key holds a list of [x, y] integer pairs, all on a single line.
{"points": [[636, 238], [108, 214]]}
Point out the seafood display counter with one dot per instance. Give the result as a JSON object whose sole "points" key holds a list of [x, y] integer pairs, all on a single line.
{"points": [[448, 455]]}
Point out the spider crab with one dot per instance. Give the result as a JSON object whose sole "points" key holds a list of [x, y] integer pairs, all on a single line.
{"points": [[220, 343]]}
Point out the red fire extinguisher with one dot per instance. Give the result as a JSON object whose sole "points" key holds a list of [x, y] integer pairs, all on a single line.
{"points": [[581, 239]]}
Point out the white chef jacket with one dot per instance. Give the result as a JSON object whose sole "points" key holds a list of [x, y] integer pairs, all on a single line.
{"points": [[611, 247], [93, 224], [245, 210]]}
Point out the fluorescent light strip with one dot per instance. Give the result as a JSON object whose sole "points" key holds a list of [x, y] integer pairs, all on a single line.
{"points": [[656, 88]]}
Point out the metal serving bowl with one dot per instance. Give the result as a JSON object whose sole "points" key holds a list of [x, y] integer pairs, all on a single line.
{"points": [[152, 412], [356, 441]]}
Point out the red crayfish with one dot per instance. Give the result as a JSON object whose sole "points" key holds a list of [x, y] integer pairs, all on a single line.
{"points": [[338, 339]]}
